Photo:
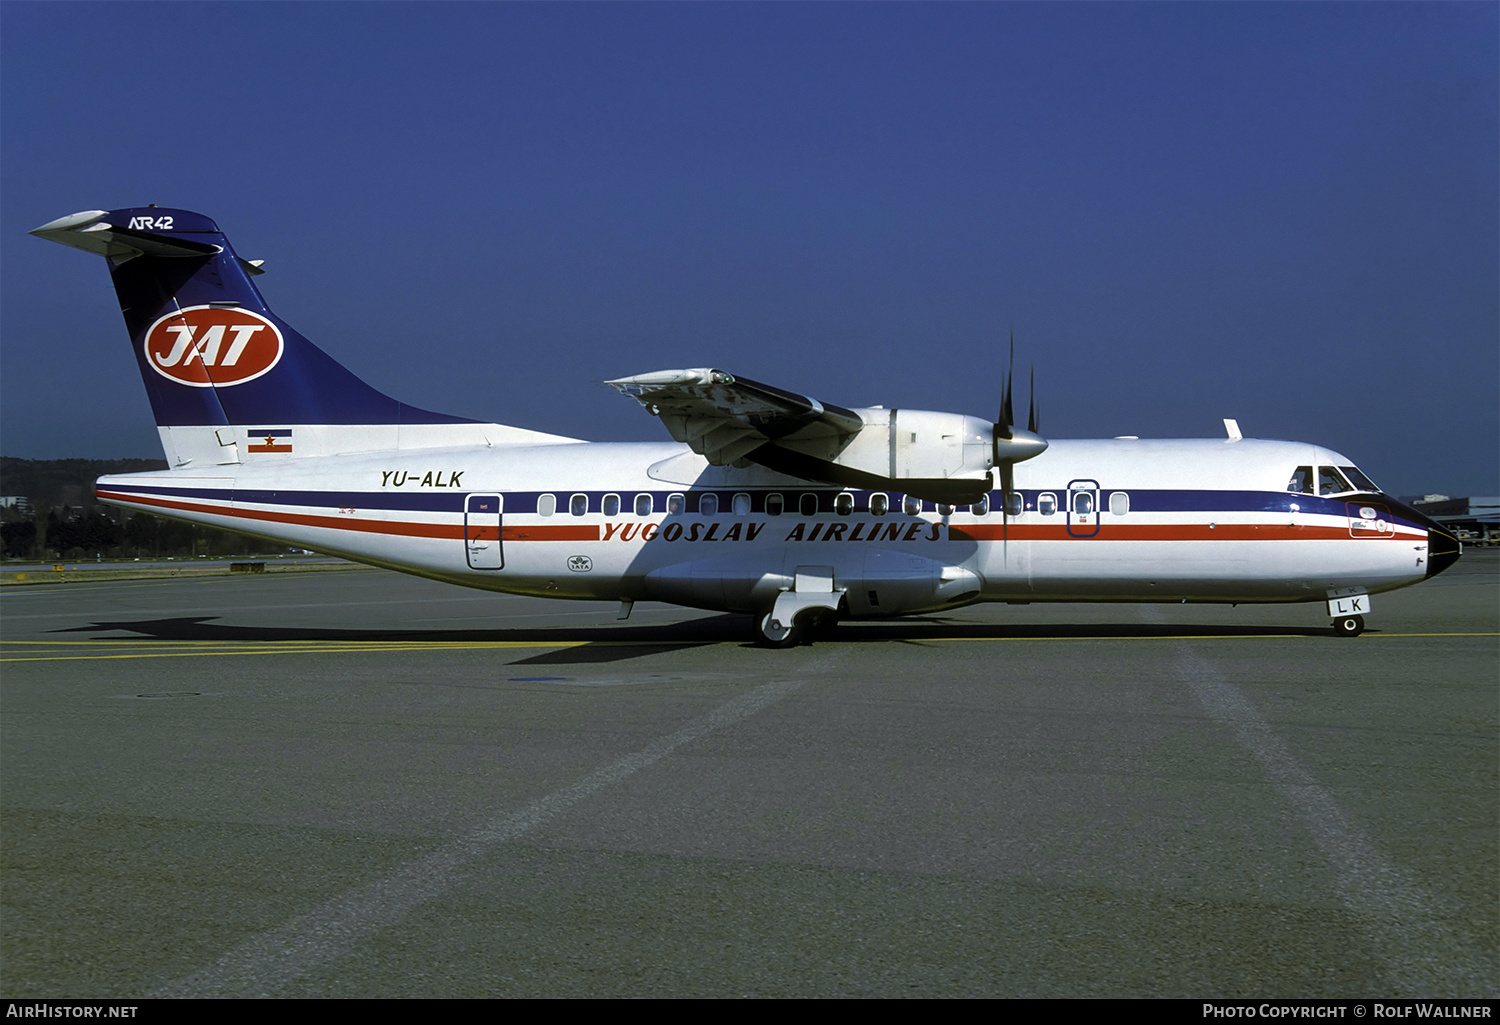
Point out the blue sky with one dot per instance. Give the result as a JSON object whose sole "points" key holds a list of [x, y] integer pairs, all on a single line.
{"points": [[1284, 213]]}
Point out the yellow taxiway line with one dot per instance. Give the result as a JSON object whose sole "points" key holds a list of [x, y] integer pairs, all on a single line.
{"points": [[203, 649]]}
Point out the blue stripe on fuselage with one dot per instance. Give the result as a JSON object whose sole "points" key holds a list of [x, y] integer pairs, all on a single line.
{"points": [[524, 502]]}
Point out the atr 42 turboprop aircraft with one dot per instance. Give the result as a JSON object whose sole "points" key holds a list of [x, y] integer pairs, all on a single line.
{"points": [[769, 503]]}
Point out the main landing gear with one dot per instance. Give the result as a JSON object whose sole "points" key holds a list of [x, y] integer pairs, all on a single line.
{"points": [[773, 633], [811, 624], [810, 606], [1349, 626]]}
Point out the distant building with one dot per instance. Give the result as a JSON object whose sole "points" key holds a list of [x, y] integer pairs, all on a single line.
{"points": [[1474, 519], [20, 503]]}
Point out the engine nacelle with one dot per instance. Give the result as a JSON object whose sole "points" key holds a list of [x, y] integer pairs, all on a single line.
{"points": [[943, 457], [918, 443]]}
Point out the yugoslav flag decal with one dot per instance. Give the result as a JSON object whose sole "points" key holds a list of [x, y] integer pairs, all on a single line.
{"points": [[270, 441], [213, 347]]}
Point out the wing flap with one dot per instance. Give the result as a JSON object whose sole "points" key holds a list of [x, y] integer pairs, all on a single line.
{"points": [[724, 418]]}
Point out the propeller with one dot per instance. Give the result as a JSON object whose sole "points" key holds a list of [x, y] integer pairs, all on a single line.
{"points": [[1011, 444]]}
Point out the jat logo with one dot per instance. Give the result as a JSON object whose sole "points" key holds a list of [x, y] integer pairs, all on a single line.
{"points": [[212, 347]]}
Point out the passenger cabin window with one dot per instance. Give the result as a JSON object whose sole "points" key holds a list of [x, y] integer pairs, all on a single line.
{"points": [[708, 505], [775, 504], [1301, 482], [844, 505], [546, 505], [643, 505], [1015, 504], [981, 507], [911, 505], [675, 505], [1331, 482], [742, 504], [578, 505], [1083, 503], [879, 504], [807, 505], [1046, 503], [1119, 503], [611, 505], [944, 509]]}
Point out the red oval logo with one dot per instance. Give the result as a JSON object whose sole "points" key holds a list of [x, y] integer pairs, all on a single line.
{"points": [[213, 347]]}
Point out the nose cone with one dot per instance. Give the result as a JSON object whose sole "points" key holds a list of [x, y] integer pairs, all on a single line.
{"points": [[1443, 550]]}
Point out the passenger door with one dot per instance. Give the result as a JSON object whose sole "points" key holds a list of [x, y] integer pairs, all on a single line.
{"points": [[1083, 508], [482, 532]]}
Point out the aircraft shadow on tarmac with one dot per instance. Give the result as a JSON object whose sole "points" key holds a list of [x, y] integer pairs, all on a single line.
{"points": [[609, 644]]}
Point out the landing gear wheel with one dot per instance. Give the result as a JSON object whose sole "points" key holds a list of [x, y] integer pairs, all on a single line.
{"points": [[820, 624], [772, 633], [1349, 626]]}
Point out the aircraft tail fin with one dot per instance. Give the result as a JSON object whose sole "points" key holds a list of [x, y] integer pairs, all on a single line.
{"points": [[211, 352]]}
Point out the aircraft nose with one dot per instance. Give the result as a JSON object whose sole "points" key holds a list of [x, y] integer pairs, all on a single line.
{"points": [[1443, 550]]}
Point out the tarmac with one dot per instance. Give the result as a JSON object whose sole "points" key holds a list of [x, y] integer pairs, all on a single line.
{"points": [[363, 784]]}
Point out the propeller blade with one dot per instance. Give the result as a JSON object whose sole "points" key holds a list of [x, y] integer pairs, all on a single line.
{"points": [[1007, 485], [1031, 422], [1009, 444], [1005, 423], [1007, 410]]}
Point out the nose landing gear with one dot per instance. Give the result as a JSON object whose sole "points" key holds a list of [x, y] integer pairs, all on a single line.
{"points": [[1349, 626]]}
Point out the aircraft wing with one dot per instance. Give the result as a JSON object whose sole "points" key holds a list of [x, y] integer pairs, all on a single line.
{"points": [[725, 418]]}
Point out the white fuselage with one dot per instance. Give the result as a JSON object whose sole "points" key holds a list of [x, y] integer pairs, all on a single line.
{"points": [[1120, 520]]}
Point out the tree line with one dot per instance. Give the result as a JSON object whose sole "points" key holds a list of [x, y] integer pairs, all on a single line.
{"points": [[51, 514]]}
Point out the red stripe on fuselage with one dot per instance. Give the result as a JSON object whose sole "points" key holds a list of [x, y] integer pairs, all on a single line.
{"points": [[571, 533], [1157, 532], [401, 528]]}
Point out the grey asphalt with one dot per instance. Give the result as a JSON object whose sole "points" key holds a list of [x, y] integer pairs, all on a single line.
{"points": [[362, 784]]}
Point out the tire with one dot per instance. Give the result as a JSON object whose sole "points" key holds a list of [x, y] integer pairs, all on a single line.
{"points": [[821, 624], [782, 635], [1349, 626]]}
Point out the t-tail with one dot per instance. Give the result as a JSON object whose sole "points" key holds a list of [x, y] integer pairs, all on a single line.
{"points": [[226, 376]]}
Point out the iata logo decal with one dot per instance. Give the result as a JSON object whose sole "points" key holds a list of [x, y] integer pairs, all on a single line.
{"points": [[208, 347]]}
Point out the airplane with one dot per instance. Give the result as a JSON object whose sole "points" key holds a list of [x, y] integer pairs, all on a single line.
{"points": [[767, 502]]}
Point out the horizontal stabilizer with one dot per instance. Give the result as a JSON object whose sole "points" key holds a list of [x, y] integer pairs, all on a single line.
{"points": [[93, 232]]}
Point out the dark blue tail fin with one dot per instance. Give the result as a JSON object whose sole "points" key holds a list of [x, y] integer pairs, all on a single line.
{"points": [[210, 351]]}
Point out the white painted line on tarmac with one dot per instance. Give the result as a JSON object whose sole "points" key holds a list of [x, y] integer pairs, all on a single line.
{"points": [[264, 965], [1420, 955]]}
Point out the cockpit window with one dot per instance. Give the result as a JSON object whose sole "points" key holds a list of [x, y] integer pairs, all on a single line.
{"points": [[1331, 482], [1301, 482], [1359, 480]]}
